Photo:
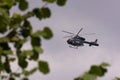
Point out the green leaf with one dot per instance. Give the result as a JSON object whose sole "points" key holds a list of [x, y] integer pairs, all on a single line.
{"points": [[15, 39], [1, 66], [43, 67], [7, 52], [23, 5], [27, 24], [3, 24], [4, 39], [11, 34], [15, 20], [49, 1], [11, 78], [34, 56], [104, 64], [45, 12], [25, 32], [27, 73], [26, 29], [28, 15], [42, 13], [25, 78], [19, 44], [117, 78], [16, 74], [8, 3], [1, 50], [47, 33], [38, 49], [89, 77], [27, 52], [97, 70], [35, 41], [7, 66], [5, 13], [22, 61], [78, 78], [61, 2], [5, 46], [37, 33], [38, 13], [22, 41]]}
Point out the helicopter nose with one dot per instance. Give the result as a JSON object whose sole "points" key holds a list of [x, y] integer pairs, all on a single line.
{"points": [[69, 41]]}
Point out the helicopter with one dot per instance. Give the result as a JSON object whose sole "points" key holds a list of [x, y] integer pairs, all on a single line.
{"points": [[77, 41]]}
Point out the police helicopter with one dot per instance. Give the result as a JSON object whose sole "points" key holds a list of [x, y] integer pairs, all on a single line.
{"points": [[76, 41]]}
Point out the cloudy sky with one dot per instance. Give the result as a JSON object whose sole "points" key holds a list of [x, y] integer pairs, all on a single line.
{"points": [[94, 16]]}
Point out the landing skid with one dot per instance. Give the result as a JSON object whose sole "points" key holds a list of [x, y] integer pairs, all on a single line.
{"points": [[75, 47]]}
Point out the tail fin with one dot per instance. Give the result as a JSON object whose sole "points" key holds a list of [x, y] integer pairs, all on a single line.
{"points": [[96, 40], [94, 43]]}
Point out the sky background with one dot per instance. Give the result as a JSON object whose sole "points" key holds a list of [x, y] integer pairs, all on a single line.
{"points": [[94, 16]]}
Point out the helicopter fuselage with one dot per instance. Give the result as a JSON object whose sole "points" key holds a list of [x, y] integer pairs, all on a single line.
{"points": [[76, 41]]}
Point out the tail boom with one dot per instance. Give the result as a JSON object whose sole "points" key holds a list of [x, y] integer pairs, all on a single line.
{"points": [[92, 43]]}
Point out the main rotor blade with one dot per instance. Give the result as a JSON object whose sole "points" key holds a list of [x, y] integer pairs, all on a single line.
{"points": [[67, 36], [80, 31], [88, 34], [67, 32]]}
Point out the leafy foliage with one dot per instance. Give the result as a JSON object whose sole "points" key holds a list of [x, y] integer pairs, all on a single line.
{"points": [[42, 13], [15, 20], [16, 29], [26, 29], [94, 72]]}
